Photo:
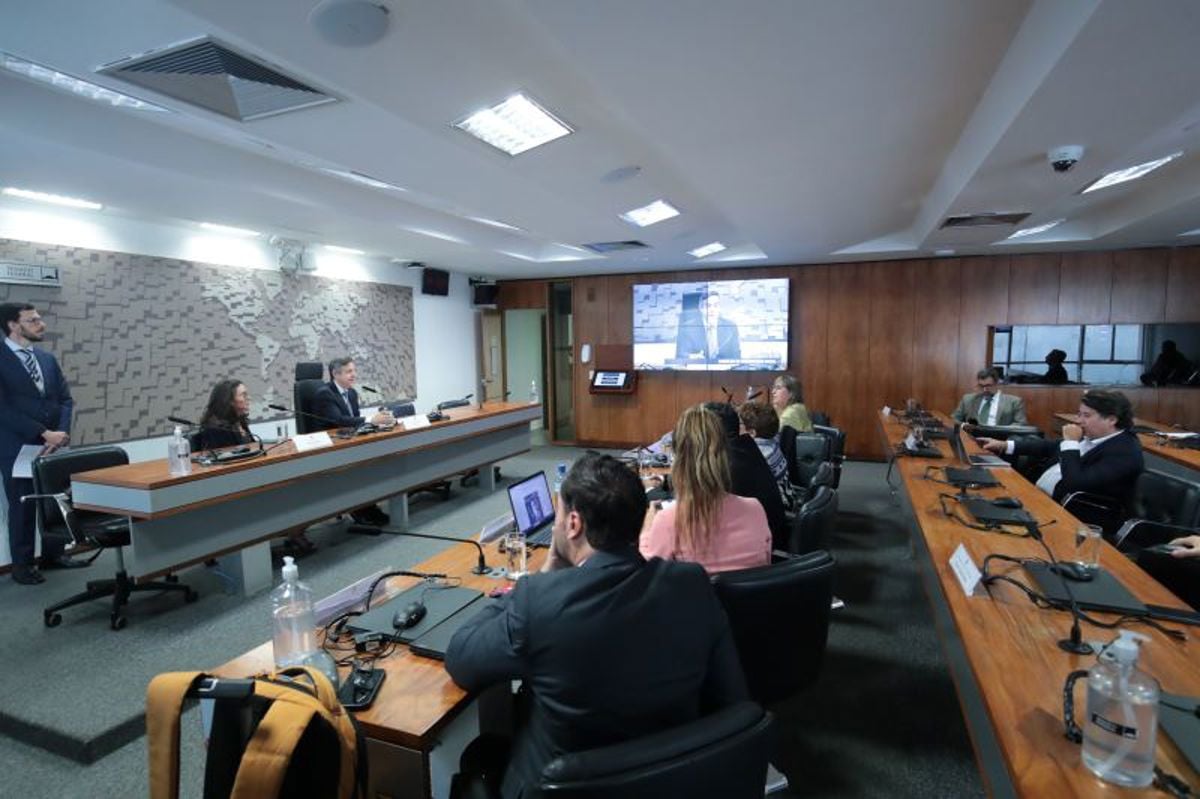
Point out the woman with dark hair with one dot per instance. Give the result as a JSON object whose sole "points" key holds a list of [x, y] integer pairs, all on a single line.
{"points": [[226, 419], [707, 524], [788, 402]]}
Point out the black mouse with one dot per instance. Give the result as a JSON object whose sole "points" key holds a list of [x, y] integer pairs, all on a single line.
{"points": [[1007, 502], [408, 616], [1075, 571]]}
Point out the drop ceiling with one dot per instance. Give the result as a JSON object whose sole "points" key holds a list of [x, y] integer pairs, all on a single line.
{"points": [[792, 132]]}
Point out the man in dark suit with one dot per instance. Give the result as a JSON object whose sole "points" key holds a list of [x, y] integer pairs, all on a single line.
{"points": [[1099, 454], [706, 333], [610, 646], [35, 408], [752, 476], [335, 404]]}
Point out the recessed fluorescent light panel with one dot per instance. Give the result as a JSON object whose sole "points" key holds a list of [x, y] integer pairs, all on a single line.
{"points": [[65, 82], [229, 230], [1129, 173], [647, 215], [707, 249], [53, 199], [1036, 229], [514, 126], [344, 250]]}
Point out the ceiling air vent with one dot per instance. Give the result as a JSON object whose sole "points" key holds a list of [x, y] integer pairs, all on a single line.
{"points": [[212, 75], [983, 220], [615, 246]]}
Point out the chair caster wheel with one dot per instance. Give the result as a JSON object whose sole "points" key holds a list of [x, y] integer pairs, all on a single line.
{"points": [[190, 597], [172, 578], [52, 619], [118, 622]]}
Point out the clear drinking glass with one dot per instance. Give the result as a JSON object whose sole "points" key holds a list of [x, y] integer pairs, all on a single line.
{"points": [[514, 550], [1087, 546]]}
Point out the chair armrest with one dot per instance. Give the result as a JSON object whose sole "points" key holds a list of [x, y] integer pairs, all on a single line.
{"points": [[1135, 532], [1098, 501]]}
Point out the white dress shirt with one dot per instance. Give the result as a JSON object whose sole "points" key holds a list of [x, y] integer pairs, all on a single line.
{"points": [[1051, 477]]}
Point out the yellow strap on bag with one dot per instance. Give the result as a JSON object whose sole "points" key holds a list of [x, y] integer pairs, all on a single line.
{"points": [[268, 753]]}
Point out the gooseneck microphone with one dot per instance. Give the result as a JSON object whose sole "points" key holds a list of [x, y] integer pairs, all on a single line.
{"points": [[455, 403], [1074, 643], [324, 419], [375, 391], [182, 421], [481, 566], [750, 397]]}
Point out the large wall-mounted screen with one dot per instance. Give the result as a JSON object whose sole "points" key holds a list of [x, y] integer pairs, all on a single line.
{"points": [[711, 325]]}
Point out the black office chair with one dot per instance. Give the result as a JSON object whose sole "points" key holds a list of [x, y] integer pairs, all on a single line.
{"points": [[308, 380], [811, 450], [813, 524], [837, 449], [1164, 507], [819, 418], [723, 754], [780, 619], [57, 517]]}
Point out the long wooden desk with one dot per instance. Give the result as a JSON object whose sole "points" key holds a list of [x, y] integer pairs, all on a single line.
{"points": [[412, 750], [1007, 667], [1161, 454], [231, 508]]}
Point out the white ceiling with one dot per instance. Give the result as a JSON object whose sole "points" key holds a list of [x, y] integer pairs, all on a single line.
{"points": [[804, 132]]}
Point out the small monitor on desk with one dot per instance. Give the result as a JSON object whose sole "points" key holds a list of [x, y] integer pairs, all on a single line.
{"points": [[612, 381]]}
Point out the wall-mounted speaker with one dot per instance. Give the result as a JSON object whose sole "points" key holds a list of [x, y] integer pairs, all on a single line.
{"points": [[484, 294]]}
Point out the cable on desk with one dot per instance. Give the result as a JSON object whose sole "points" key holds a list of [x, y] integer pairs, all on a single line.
{"points": [[987, 527]]}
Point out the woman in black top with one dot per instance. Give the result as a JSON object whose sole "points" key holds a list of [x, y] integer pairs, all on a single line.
{"points": [[226, 420]]}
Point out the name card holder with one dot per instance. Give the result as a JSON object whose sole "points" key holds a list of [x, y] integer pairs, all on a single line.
{"points": [[311, 441]]}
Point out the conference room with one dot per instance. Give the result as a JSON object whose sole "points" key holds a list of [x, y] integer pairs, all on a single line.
{"points": [[415, 261]]}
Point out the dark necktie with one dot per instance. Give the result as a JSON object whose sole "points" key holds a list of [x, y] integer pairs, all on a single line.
{"points": [[31, 366], [985, 409]]}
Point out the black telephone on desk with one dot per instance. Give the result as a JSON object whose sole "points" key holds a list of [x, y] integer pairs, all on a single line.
{"points": [[437, 416]]}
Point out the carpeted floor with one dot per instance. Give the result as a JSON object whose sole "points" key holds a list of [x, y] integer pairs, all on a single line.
{"points": [[883, 719]]}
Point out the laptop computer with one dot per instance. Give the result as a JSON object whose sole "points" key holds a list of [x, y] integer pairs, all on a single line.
{"points": [[532, 508], [973, 461]]}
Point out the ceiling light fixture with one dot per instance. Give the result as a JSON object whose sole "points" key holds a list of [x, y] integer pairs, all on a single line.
{"points": [[515, 125], [648, 215], [1033, 231], [707, 249], [68, 83], [1129, 173], [54, 199], [229, 229], [344, 250]]}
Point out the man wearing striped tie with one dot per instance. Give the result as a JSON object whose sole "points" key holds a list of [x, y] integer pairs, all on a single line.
{"points": [[35, 408]]}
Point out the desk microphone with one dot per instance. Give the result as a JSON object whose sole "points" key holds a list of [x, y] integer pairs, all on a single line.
{"points": [[182, 421], [751, 396], [455, 403], [375, 391], [481, 566], [324, 419], [728, 396], [1075, 643]]}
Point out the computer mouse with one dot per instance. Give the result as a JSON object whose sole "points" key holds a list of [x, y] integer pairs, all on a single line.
{"points": [[409, 616], [1075, 571], [1007, 502]]}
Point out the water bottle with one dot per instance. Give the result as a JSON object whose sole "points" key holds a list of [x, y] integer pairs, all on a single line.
{"points": [[533, 393], [179, 453], [560, 474], [1122, 716], [294, 637]]}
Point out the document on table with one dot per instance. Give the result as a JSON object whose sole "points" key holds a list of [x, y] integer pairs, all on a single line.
{"points": [[23, 467]]}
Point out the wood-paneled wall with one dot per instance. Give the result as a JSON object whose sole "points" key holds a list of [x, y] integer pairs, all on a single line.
{"points": [[868, 334]]}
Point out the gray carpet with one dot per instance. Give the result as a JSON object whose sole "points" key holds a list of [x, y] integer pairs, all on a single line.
{"points": [[883, 719]]}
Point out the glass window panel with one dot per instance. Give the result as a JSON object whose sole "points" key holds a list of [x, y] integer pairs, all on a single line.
{"points": [[1097, 342], [1019, 336], [1000, 347], [1027, 368], [1116, 373], [1127, 343], [1040, 339]]}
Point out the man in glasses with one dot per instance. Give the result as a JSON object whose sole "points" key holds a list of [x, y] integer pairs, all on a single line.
{"points": [[988, 406]]}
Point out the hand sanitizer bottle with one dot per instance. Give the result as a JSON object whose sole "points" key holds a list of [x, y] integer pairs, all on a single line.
{"points": [[179, 454], [533, 393], [1122, 716]]}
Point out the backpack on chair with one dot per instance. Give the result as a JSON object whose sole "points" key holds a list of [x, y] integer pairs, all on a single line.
{"points": [[282, 735]]}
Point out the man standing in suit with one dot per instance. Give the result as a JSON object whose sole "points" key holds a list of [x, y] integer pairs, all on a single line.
{"points": [[336, 405], [988, 406], [597, 610], [1098, 455], [35, 408]]}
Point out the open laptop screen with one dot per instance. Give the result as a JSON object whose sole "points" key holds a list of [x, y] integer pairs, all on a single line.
{"points": [[531, 505]]}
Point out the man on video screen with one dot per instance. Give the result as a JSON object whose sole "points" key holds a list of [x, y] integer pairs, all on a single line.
{"points": [[703, 332]]}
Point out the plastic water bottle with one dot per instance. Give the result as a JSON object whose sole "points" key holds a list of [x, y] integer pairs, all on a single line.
{"points": [[1122, 716], [560, 474], [179, 453], [294, 637], [533, 393]]}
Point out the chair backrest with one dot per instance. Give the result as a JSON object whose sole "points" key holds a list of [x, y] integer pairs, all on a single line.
{"points": [[780, 619], [819, 418], [723, 754], [310, 370], [302, 400], [52, 475], [813, 523], [823, 476], [1165, 498], [787, 445], [812, 449], [837, 440]]}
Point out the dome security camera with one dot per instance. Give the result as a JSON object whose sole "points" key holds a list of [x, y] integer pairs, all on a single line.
{"points": [[1063, 158]]}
